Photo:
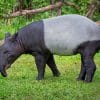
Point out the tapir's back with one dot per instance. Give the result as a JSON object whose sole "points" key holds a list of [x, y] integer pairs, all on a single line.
{"points": [[64, 34]]}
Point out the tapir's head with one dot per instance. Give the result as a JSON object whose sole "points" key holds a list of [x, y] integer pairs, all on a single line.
{"points": [[9, 52]]}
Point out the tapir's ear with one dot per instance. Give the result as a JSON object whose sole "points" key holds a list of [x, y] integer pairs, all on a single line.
{"points": [[7, 35], [13, 38]]}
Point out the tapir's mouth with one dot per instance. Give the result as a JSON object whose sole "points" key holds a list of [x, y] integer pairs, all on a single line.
{"points": [[3, 72]]}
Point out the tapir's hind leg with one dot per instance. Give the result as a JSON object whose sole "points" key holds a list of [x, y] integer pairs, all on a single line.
{"points": [[87, 51], [89, 65], [82, 71], [52, 65]]}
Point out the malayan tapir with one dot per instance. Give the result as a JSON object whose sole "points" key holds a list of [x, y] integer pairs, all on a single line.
{"points": [[63, 35]]}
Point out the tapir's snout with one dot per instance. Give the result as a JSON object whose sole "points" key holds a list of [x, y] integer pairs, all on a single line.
{"points": [[3, 72]]}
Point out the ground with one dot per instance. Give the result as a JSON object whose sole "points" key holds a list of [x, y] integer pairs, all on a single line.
{"points": [[21, 84]]}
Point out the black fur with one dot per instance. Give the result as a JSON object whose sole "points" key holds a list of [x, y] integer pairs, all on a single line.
{"points": [[37, 48], [88, 67], [28, 40]]}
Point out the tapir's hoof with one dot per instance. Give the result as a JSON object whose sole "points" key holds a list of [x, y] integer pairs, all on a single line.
{"points": [[80, 79], [87, 81], [57, 74], [39, 78]]}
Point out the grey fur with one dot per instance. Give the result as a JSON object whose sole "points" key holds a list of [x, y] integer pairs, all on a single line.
{"points": [[63, 34]]}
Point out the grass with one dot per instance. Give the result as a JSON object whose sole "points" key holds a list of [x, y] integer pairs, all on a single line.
{"points": [[21, 84]]}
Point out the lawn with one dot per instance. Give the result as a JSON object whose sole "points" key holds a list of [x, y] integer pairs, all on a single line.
{"points": [[21, 84]]}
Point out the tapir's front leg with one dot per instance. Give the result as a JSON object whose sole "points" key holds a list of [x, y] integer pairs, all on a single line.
{"points": [[40, 63], [52, 65]]}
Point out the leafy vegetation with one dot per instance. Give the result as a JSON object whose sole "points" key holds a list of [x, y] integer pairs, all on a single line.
{"points": [[12, 25], [21, 84]]}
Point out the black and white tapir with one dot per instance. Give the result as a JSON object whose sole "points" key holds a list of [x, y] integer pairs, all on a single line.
{"points": [[62, 35]]}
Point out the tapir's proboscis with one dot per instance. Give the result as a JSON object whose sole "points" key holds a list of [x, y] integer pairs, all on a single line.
{"points": [[64, 35]]}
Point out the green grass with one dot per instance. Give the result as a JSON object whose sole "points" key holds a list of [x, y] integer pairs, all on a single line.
{"points": [[21, 84]]}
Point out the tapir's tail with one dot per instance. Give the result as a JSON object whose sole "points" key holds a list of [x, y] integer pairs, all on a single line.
{"points": [[98, 23]]}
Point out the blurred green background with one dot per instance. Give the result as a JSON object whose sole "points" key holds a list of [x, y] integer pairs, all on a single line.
{"points": [[13, 24]]}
